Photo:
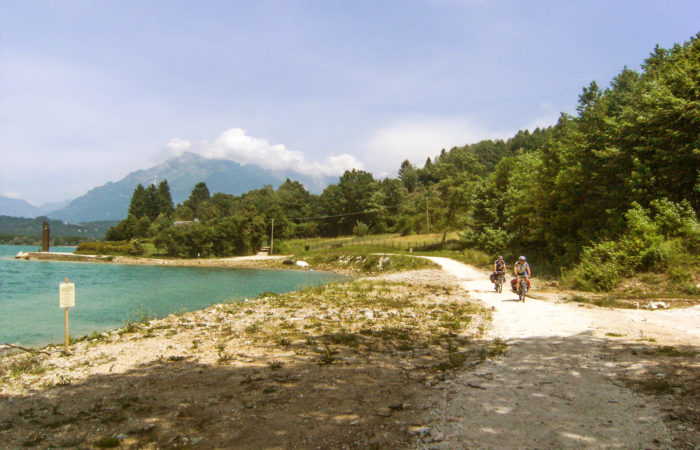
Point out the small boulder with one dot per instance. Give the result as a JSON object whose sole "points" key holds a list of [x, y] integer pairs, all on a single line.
{"points": [[657, 305]]}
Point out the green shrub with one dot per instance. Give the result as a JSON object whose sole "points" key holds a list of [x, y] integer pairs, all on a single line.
{"points": [[406, 225], [658, 239], [360, 229], [132, 248], [679, 275]]}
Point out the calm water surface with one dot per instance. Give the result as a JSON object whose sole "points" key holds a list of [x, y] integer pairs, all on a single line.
{"points": [[107, 295]]}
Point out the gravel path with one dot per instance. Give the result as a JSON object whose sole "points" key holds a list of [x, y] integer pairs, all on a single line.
{"points": [[555, 387]]}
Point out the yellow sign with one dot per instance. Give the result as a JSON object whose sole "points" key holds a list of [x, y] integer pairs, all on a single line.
{"points": [[67, 295]]}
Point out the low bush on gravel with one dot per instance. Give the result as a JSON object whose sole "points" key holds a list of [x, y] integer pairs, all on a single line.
{"points": [[26, 364]]}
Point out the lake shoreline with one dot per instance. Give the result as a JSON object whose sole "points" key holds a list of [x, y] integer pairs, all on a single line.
{"points": [[109, 295], [267, 362], [275, 262]]}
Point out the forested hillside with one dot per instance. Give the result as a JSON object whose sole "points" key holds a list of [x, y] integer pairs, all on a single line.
{"points": [[608, 191], [20, 231]]}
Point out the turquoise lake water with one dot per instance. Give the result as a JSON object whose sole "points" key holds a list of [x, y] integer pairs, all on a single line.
{"points": [[108, 295]]}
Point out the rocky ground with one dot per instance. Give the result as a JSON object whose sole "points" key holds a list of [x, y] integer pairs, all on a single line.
{"points": [[418, 359]]}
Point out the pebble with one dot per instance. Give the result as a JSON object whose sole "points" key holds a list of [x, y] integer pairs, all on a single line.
{"points": [[420, 430], [437, 437]]}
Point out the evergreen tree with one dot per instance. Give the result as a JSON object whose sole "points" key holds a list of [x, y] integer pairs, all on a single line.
{"points": [[152, 210], [164, 201], [139, 200], [408, 175], [199, 194]]}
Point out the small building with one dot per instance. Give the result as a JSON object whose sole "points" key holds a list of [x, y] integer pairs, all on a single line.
{"points": [[184, 223]]}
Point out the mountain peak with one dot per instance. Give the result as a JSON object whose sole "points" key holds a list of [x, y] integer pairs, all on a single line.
{"points": [[111, 200], [186, 157]]}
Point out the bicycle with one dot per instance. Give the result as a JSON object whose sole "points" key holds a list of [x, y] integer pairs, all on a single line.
{"points": [[500, 279]]}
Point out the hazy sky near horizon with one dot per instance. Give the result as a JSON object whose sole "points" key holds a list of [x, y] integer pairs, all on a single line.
{"points": [[93, 90]]}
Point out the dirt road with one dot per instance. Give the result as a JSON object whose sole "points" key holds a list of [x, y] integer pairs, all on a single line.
{"points": [[558, 385]]}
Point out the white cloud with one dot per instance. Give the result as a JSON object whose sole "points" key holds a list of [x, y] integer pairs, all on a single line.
{"points": [[178, 146], [236, 145], [419, 138], [12, 195]]}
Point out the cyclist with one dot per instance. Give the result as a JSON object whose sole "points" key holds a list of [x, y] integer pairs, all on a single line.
{"points": [[521, 269], [499, 268]]}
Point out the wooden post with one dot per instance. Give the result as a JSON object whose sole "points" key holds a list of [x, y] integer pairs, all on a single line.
{"points": [[67, 334], [427, 214], [272, 237], [45, 237]]}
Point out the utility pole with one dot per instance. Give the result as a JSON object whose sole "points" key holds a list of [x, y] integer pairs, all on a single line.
{"points": [[272, 237], [427, 214]]}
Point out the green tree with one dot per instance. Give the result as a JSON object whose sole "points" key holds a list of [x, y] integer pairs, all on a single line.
{"points": [[351, 196], [408, 175], [151, 209], [139, 201], [164, 201], [200, 194]]}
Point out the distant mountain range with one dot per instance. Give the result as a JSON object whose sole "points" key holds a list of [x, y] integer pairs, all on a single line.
{"points": [[111, 201], [17, 207]]}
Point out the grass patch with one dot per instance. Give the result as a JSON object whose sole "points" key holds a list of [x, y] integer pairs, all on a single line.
{"points": [[107, 442], [225, 358], [497, 348], [327, 355], [608, 301], [343, 338], [468, 256], [614, 334], [657, 386], [253, 328], [668, 350], [365, 260], [449, 364], [30, 364], [275, 365]]}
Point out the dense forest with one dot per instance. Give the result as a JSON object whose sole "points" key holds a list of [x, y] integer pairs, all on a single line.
{"points": [[609, 191]]}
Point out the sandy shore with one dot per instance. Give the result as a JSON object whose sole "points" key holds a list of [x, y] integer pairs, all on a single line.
{"points": [[262, 260], [256, 261]]}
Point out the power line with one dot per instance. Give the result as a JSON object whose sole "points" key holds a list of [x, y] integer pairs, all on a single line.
{"points": [[334, 216]]}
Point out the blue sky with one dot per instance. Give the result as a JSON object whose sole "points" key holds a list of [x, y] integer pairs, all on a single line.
{"points": [[93, 90]]}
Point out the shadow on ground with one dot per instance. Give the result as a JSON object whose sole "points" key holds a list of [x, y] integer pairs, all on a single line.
{"points": [[559, 392], [171, 403], [577, 391]]}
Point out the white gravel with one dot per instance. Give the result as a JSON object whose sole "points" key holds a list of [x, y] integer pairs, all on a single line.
{"points": [[554, 388]]}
